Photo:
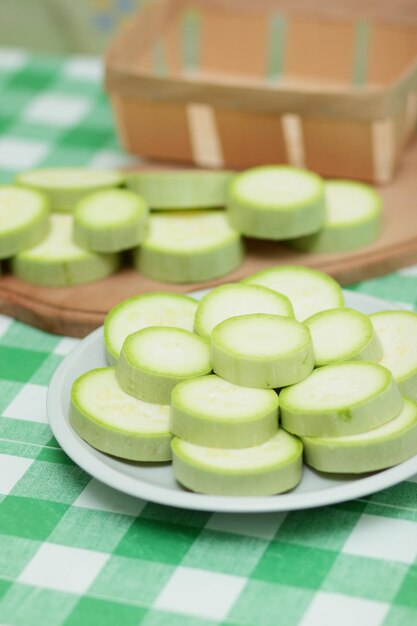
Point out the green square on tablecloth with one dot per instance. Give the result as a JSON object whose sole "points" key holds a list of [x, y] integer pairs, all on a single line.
{"points": [[15, 554], [400, 498], [294, 565], [4, 586], [157, 541], [18, 335], [97, 612], [24, 431], [174, 515], [85, 135], [13, 102], [19, 448], [363, 577], [36, 75], [29, 517], [58, 482], [30, 130], [18, 364], [407, 594], [67, 156], [225, 552], [132, 580], [400, 616], [55, 455], [266, 604], [44, 373], [24, 605]]}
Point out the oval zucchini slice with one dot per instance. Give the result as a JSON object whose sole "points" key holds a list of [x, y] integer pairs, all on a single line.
{"points": [[343, 335], [147, 309], [110, 221], [65, 186], [260, 350], [308, 290], [24, 219], [112, 421], [186, 247], [269, 468], [237, 299], [388, 445], [353, 218], [338, 400], [397, 331], [212, 412], [276, 202], [191, 189], [155, 359], [58, 262]]}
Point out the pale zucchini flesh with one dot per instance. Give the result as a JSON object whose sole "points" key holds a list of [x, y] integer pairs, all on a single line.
{"points": [[148, 309], [237, 299], [110, 221], [212, 412], [24, 219], [260, 350], [65, 186], [185, 247], [388, 445], [353, 219], [276, 202], [115, 422], [337, 400], [155, 359], [269, 468], [308, 290], [181, 189], [58, 262], [343, 334]]}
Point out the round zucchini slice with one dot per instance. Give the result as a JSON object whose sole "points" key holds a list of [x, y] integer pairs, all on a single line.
{"points": [[24, 219], [186, 247], [353, 219], [65, 186], [338, 400], [237, 299], [110, 221], [263, 351], [58, 262], [343, 335], [276, 202], [147, 309], [212, 412], [269, 468], [114, 422], [155, 359], [308, 290], [385, 446]]}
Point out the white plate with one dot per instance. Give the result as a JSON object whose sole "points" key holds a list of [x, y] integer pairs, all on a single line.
{"points": [[157, 483]]}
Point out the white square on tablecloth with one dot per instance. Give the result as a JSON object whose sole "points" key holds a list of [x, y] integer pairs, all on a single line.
{"points": [[263, 526], [63, 568], [103, 159], [21, 154], [65, 345], [55, 109], [98, 496], [331, 609], [12, 60], [12, 468], [5, 322], [29, 404], [203, 594], [383, 538], [84, 68]]}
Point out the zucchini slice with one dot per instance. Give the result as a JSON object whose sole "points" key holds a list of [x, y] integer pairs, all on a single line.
{"points": [[308, 290], [155, 359], [212, 412], [353, 218], [237, 299], [147, 309], [269, 468], [343, 335], [24, 219], [110, 221], [182, 189], [58, 262], [397, 331], [382, 447], [260, 350], [65, 186], [338, 400], [186, 247], [114, 422], [276, 202]]}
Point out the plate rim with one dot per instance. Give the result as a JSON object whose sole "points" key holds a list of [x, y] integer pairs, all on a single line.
{"points": [[94, 462]]}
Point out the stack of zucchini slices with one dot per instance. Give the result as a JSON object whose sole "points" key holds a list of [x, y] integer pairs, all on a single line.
{"points": [[237, 388]]}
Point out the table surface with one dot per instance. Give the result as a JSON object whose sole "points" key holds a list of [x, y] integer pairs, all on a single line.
{"points": [[74, 552]]}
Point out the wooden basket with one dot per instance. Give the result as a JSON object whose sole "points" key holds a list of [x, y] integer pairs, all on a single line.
{"points": [[331, 86]]}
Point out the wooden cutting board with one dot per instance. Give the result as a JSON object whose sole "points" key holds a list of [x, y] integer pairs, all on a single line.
{"points": [[78, 310]]}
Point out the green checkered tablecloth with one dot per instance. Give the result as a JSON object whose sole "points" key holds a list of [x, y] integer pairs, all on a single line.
{"points": [[76, 553]]}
